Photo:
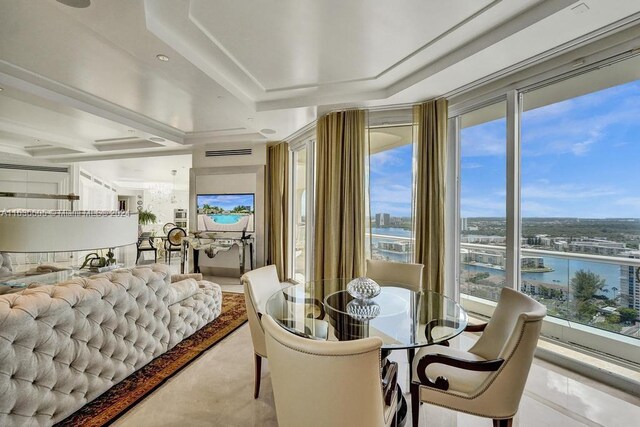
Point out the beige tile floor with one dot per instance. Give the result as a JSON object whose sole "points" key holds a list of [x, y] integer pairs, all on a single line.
{"points": [[217, 390]]}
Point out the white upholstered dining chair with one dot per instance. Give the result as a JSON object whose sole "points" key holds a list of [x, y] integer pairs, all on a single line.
{"points": [[402, 274], [259, 285], [489, 378], [328, 383]]}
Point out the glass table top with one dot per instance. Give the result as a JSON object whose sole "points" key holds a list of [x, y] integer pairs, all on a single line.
{"points": [[401, 317]]}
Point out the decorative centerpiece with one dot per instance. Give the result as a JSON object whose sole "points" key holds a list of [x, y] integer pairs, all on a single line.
{"points": [[362, 309], [363, 288]]}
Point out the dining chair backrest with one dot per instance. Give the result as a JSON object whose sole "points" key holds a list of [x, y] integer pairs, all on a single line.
{"points": [[407, 275], [512, 310], [175, 236], [259, 285], [324, 383], [512, 335]]}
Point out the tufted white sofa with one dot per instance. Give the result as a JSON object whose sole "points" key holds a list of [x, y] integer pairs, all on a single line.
{"points": [[63, 345]]}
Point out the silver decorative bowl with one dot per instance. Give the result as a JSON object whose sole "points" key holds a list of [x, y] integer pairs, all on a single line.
{"points": [[363, 288], [362, 310]]}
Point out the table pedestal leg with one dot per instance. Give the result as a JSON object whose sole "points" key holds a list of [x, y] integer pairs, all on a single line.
{"points": [[401, 409]]}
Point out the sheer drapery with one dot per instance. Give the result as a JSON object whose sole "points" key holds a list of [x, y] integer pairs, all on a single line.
{"points": [[340, 196], [430, 135], [277, 207]]}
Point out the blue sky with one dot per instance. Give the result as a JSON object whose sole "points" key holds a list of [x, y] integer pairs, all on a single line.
{"points": [[226, 201], [580, 158], [390, 181]]}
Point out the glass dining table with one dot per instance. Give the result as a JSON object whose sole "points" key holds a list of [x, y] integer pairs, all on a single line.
{"points": [[400, 316]]}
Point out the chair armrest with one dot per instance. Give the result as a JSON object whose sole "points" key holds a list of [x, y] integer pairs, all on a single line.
{"points": [[389, 381], [442, 383], [316, 302], [476, 328], [435, 323]]}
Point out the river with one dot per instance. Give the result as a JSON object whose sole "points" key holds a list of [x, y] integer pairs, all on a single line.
{"points": [[563, 269]]}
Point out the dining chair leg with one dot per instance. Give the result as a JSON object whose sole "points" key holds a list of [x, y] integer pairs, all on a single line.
{"points": [[503, 423], [258, 374], [138, 256], [415, 404], [169, 257], [155, 257]]}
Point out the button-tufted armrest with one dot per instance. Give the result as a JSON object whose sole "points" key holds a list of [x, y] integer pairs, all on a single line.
{"points": [[179, 291]]}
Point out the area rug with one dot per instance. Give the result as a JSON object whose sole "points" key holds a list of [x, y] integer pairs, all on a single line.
{"points": [[123, 396]]}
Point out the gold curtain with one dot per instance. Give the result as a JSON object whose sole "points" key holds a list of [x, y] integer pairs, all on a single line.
{"points": [[277, 207], [430, 135], [340, 197]]}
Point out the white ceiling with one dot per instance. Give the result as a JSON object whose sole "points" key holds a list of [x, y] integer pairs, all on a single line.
{"points": [[247, 71], [138, 173]]}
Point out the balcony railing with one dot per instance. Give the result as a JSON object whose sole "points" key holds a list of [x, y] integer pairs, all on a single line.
{"points": [[563, 281]]}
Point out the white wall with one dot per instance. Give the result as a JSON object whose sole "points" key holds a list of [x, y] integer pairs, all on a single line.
{"points": [[162, 205], [27, 181], [94, 196], [230, 174]]}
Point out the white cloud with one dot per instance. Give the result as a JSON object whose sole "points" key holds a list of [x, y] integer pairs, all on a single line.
{"points": [[565, 191], [471, 165]]}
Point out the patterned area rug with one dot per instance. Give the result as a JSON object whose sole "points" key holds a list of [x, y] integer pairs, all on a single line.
{"points": [[123, 396]]}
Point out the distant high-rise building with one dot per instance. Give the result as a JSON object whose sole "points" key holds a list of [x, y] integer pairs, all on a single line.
{"points": [[383, 220], [630, 283], [463, 224]]}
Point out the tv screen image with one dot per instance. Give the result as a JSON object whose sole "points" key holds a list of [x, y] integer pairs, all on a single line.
{"points": [[226, 212]]}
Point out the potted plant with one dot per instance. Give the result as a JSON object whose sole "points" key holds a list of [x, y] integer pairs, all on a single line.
{"points": [[145, 217]]}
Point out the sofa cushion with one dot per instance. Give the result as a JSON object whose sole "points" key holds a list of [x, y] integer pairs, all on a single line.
{"points": [[179, 291]]}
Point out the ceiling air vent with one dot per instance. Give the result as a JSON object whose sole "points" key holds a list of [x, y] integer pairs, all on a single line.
{"points": [[223, 153], [34, 168], [86, 175]]}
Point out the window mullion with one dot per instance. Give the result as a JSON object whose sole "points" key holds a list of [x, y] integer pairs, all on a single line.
{"points": [[512, 259]]}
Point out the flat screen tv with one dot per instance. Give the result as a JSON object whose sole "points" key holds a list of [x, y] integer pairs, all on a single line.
{"points": [[226, 212]]}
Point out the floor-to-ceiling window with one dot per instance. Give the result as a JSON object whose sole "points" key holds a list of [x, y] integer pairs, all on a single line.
{"points": [[391, 193], [580, 199], [302, 171], [574, 149], [482, 201], [300, 215]]}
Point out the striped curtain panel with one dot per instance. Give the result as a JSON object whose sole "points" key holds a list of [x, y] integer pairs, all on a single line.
{"points": [[277, 207], [430, 136]]}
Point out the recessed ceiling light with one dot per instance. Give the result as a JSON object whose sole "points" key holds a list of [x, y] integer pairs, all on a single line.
{"points": [[156, 139], [267, 131], [131, 131], [76, 3], [36, 140], [1, 88], [578, 63], [580, 8], [161, 57], [250, 119], [220, 97]]}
